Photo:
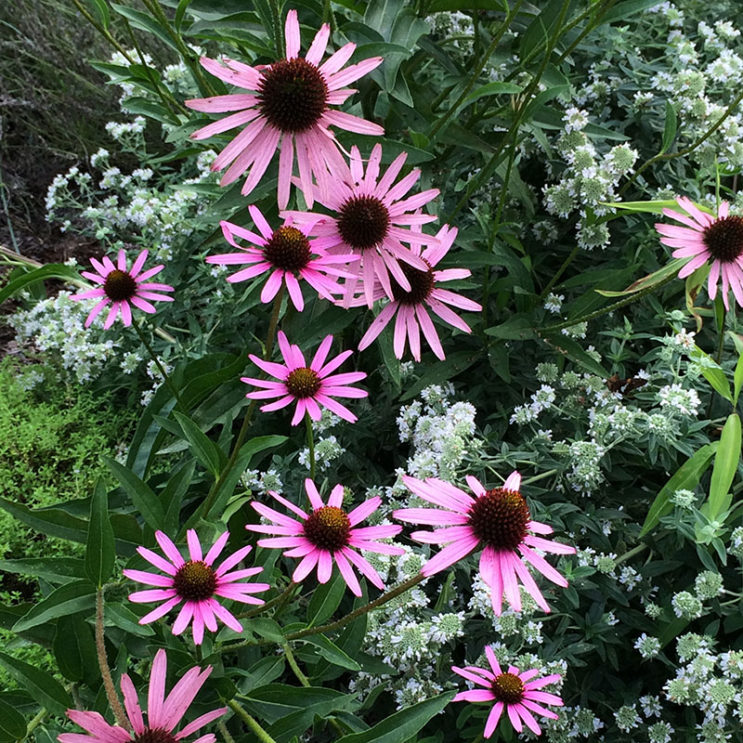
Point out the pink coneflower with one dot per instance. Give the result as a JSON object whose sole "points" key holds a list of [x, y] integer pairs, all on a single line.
{"points": [[309, 385], [121, 288], [707, 239], [515, 692], [287, 253], [410, 308], [327, 535], [196, 583], [497, 520], [163, 714], [372, 221], [288, 108]]}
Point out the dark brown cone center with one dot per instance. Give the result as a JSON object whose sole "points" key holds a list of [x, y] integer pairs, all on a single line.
{"points": [[724, 239], [421, 285], [288, 249], [195, 581], [154, 735], [328, 528], [508, 688], [303, 382], [292, 95], [363, 222], [119, 286], [499, 518]]}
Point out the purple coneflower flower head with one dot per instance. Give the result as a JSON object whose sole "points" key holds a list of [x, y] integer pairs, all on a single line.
{"points": [[163, 713], [309, 386], [287, 254], [410, 308], [121, 288], [516, 693], [327, 535], [717, 241], [287, 107], [497, 520], [196, 584], [372, 222]]}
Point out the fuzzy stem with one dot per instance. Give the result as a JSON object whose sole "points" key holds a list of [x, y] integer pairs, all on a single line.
{"points": [[108, 682], [160, 367], [225, 733], [280, 600], [292, 661], [310, 444], [251, 722]]}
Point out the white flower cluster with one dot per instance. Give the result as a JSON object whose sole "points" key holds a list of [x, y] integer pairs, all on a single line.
{"points": [[55, 327]]}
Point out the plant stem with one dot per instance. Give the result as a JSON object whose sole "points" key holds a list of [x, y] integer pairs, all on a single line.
{"points": [[224, 732], [356, 613], [280, 599], [251, 722], [160, 367], [108, 682], [560, 271], [310, 444], [631, 553], [268, 348], [292, 661]]}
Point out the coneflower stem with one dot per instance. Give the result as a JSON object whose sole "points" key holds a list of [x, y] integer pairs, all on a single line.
{"points": [[310, 444], [168, 381], [251, 722], [108, 682]]}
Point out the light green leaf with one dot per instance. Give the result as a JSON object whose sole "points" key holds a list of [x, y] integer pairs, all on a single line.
{"points": [[142, 496], [648, 281], [50, 271], [726, 464], [63, 601], [205, 450], [332, 653], [669, 129], [737, 379]]}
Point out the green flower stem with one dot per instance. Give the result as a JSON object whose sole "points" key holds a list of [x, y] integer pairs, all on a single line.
{"points": [[721, 337], [224, 732], [292, 661], [160, 367], [284, 598], [631, 553], [108, 683], [356, 613], [560, 271], [251, 722], [35, 722], [268, 348], [281, 599], [310, 443], [610, 308]]}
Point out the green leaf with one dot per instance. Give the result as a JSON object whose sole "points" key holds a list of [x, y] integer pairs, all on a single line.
{"points": [[142, 496], [153, 110], [332, 653], [267, 628], [624, 10], [47, 691], [648, 281], [74, 650], [737, 379], [51, 521], [651, 207], [180, 12], [325, 600], [727, 459], [53, 569], [122, 617], [63, 601], [402, 725], [442, 371], [276, 701], [686, 477], [713, 373], [204, 449], [172, 495], [12, 724], [494, 88], [100, 553], [574, 351], [104, 14], [669, 129], [515, 328], [50, 271], [146, 22]]}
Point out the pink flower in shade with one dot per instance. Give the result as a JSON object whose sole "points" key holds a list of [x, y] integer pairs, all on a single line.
{"points": [[497, 520], [410, 308], [372, 222], [327, 535], [286, 253], [122, 289], [196, 583], [287, 108], [163, 714], [515, 692], [707, 239], [309, 385]]}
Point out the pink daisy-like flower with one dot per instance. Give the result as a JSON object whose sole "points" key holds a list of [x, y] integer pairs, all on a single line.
{"points": [[196, 583], [309, 385], [122, 288], [163, 713], [327, 536], [372, 221], [517, 693], [287, 108], [410, 308], [286, 253], [497, 520], [707, 239]]}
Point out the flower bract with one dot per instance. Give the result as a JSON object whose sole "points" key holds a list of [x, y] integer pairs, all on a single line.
{"points": [[122, 288], [196, 584], [497, 520], [327, 535]]}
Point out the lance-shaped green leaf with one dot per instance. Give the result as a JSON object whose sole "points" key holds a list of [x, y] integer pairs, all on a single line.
{"points": [[63, 601], [686, 477], [12, 724], [738, 379], [712, 372], [669, 128], [41, 685], [647, 282], [332, 653], [74, 650], [204, 449], [142, 496], [726, 464], [100, 553]]}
